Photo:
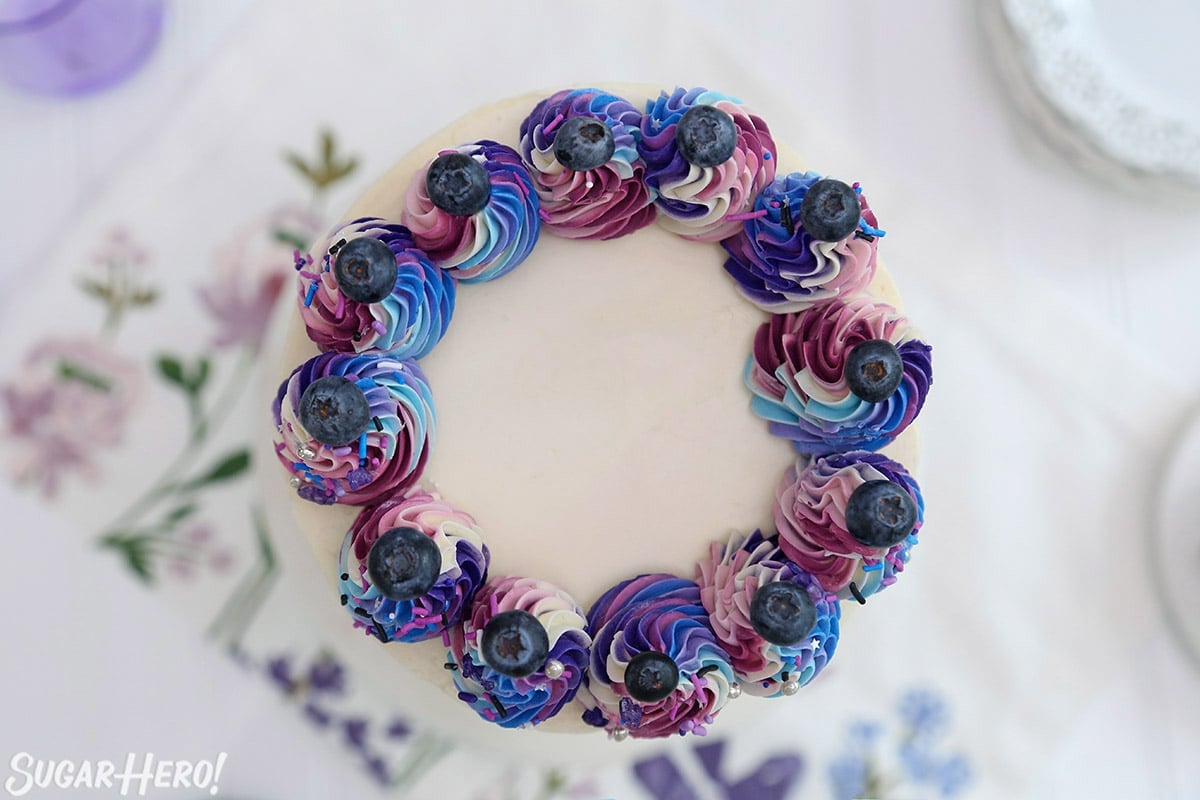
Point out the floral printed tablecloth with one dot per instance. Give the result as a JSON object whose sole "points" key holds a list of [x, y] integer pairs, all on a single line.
{"points": [[130, 403]]}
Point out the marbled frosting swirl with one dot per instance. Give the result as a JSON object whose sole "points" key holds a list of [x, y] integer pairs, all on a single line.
{"points": [[602, 203], [464, 568], [406, 324], [728, 580], [781, 269], [663, 614], [695, 201], [810, 515], [536, 698], [797, 376], [397, 443], [491, 242]]}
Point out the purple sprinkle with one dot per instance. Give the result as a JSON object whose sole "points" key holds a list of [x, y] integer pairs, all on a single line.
{"points": [[358, 478], [631, 713], [316, 495], [467, 697], [379, 327]]}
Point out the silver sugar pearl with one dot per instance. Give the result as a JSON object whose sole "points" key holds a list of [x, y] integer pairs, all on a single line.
{"points": [[295, 482], [620, 734], [735, 691], [790, 688], [305, 452], [554, 669]]}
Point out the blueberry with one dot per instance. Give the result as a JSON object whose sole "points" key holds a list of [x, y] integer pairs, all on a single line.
{"points": [[458, 184], [650, 677], [365, 269], [404, 564], [873, 370], [830, 211], [782, 613], [334, 411], [583, 143], [706, 136], [880, 513], [515, 644]]}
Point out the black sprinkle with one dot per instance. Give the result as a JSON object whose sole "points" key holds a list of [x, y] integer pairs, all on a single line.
{"points": [[861, 235], [705, 670], [785, 216], [857, 594], [783, 676], [345, 599], [378, 424], [362, 612], [345, 576], [379, 631], [500, 709], [445, 621], [451, 667], [337, 246], [357, 336]]}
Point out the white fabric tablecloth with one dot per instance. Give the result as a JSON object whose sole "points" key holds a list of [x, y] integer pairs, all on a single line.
{"points": [[1064, 358]]}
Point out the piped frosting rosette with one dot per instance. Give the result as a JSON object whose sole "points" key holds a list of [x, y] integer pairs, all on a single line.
{"points": [[407, 323], [552, 681], [656, 614], [389, 454], [810, 515], [461, 568], [798, 376], [487, 243], [603, 202], [729, 579], [780, 267], [694, 201]]}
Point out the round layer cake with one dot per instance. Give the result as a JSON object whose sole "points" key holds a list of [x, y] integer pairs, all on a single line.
{"points": [[605, 407]]}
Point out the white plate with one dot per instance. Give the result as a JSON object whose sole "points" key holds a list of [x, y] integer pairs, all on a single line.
{"points": [[1175, 541], [1108, 79]]}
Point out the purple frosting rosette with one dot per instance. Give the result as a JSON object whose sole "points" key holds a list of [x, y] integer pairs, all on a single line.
{"points": [[729, 578], [604, 202], [407, 323], [695, 202], [780, 267], [515, 702], [491, 242], [463, 568], [391, 452], [662, 614], [797, 375]]}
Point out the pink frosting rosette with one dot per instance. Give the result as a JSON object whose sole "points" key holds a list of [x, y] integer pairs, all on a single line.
{"points": [[549, 685], [407, 323], [601, 203], [798, 376], [491, 242], [729, 578], [810, 515], [695, 202]]}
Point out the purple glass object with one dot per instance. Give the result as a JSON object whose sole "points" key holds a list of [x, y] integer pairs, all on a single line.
{"points": [[75, 47]]}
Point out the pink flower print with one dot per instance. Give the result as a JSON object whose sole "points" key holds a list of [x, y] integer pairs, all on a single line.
{"points": [[70, 400], [250, 272]]}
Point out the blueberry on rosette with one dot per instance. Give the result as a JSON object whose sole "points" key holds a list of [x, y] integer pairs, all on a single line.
{"points": [[781, 266], [776, 622], [581, 149], [409, 567], [367, 286], [474, 210], [657, 668], [521, 651], [849, 519], [706, 158], [840, 375], [354, 429]]}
